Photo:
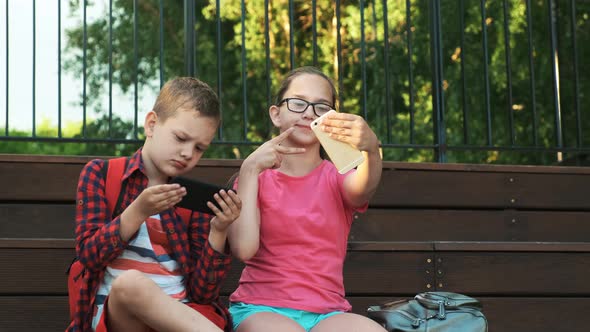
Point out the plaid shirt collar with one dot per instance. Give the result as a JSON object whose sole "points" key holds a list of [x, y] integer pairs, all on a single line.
{"points": [[135, 163]]}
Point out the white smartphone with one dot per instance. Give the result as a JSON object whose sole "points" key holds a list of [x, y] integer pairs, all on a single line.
{"points": [[344, 156]]}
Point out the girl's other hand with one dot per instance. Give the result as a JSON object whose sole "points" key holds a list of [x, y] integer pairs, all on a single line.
{"points": [[270, 154]]}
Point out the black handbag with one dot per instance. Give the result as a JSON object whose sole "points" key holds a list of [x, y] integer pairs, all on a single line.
{"points": [[431, 312]]}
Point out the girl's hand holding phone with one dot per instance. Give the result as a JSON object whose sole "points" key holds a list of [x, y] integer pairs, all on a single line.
{"points": [[352, 129]]}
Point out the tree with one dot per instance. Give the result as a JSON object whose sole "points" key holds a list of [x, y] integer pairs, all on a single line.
{"points": [[479, 109]]}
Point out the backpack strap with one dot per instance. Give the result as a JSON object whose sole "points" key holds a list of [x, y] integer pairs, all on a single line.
{"points": [[112, 173], [114, 169]]}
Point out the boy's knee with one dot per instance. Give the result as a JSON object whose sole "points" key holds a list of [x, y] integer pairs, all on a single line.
{"points": [[129, 286]]}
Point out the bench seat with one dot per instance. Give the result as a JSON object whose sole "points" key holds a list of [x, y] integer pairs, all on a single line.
{"points": [[514, 237]]}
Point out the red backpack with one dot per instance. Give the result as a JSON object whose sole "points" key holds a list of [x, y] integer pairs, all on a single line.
{"points": [[113, 171]]}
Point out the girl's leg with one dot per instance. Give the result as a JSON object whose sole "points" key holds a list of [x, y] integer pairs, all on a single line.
{"points": [[136, 303], [348, 322], [267, 322]]}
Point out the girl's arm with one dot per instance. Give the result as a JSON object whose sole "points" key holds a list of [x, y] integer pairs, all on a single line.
{"points": [[362, 184], [353, 129], [244, 233]]}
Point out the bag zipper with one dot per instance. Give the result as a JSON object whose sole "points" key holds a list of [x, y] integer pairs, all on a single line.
{"points": [[441, 310], [415, 321]]}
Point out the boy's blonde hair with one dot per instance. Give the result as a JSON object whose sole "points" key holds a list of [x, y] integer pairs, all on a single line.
{"points": [[186, 92]]}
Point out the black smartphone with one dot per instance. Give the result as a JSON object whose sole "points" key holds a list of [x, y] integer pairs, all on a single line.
{"points": [[198, 193]]}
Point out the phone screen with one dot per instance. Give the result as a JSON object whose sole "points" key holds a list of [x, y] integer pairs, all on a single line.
{"points": [[198, 193]]}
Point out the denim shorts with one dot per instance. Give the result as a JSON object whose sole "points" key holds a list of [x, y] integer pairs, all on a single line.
{"points": [[306, 319]]}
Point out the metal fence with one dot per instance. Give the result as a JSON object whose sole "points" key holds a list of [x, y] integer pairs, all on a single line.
{"points": [[444, 81]]}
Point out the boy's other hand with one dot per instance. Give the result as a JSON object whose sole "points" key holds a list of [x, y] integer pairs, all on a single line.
{"points": [[230, 204]]}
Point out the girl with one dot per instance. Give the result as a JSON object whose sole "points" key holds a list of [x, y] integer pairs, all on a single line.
{"points": [[296, 215]]}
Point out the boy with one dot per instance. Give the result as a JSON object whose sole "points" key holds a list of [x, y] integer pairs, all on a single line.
{"points": [[146, 269]]}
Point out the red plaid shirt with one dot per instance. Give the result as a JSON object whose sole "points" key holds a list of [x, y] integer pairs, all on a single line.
{"points": [[98, 241]]}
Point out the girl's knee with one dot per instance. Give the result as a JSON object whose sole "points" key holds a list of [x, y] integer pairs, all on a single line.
{"points": [[348, 322]]}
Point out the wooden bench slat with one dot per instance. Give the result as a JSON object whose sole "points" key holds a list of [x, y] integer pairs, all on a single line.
{"points": [[390, 246], [33, 313], [39, 243], [359, 246], [489, 168], [488, 246], [58, 182], [39, 220], [514, 273], [470, 225], [41, 181], [42, 271], [387, 272], [398, 188], [535, 314], [34, 271], [409, 188]]}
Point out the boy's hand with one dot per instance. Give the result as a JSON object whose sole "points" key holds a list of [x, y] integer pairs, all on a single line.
{"points": [[230, 204], [158, 198], [270, 154], [352, 129]]}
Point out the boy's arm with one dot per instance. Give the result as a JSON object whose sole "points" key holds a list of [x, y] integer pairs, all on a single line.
{"points": [[211, 266], [97, 236]]}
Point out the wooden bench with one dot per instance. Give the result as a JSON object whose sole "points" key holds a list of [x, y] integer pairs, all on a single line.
{"points": [[515, 237]]}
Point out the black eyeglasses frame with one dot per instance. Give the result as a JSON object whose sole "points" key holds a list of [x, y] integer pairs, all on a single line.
{"points": [[286, 100]]}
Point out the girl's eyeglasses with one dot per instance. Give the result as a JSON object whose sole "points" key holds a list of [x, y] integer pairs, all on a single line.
{"points": [[299, 106]]}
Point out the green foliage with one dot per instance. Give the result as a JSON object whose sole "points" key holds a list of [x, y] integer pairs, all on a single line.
{"points": [[99, 139], [398, 103]]}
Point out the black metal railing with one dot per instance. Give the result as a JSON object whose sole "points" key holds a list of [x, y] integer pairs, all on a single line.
{"points": [[445, 81]]}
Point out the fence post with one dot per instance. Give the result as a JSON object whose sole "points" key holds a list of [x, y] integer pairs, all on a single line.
{"points": [[189, 37], [437, 80], [552, 12]]}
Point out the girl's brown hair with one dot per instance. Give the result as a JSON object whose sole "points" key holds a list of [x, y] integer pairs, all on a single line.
{"points": [[298, 72]]}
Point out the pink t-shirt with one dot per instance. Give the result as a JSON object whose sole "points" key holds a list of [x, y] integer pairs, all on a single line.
{"points": [[304, 226]]}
